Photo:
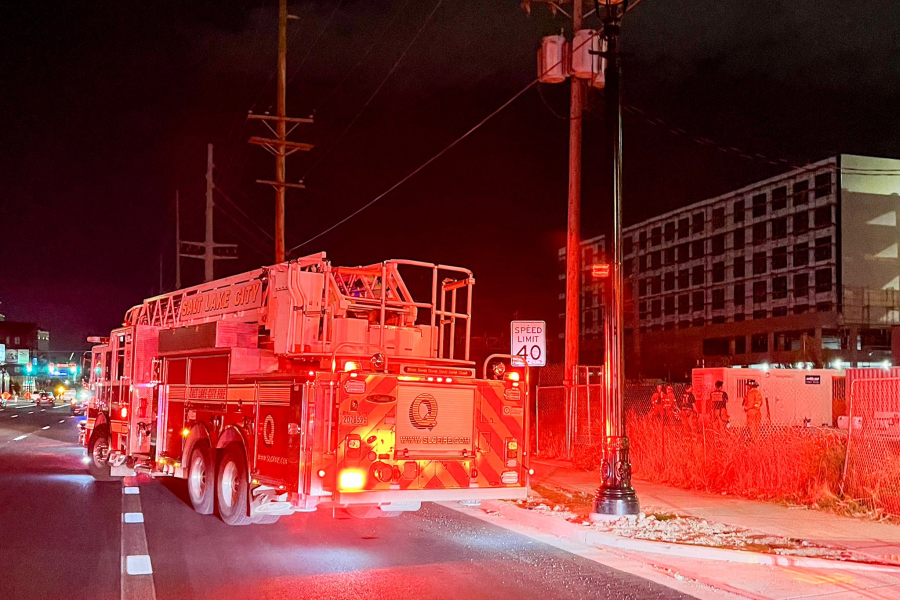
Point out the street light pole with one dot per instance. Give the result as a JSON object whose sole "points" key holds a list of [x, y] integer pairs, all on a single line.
{"points": [[615, 497]]}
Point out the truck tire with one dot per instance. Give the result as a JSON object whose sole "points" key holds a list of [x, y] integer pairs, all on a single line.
{"points": [[201, 479], [266, 519], [232, 487], [97, 446]]}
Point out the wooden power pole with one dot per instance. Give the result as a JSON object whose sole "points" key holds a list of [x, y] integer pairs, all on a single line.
{"points": [[280, 146], [206, 250]]}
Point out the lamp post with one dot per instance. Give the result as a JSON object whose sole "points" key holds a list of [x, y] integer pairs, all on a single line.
{"points": [[615, 497]]}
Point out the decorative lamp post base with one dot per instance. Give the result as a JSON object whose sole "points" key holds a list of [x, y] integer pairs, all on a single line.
{"points": [[615, 497]]}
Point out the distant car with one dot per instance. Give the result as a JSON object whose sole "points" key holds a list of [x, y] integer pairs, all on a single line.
{"points": [[42, 398], [78, 407]]}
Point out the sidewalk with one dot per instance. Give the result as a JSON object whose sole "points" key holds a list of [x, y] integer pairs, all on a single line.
{"points": [[880, 540]]}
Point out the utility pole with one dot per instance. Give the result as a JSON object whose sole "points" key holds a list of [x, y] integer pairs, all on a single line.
{"points": [[615, 497], [206, 250], [573, 232], [177, 241], [280, 146]]}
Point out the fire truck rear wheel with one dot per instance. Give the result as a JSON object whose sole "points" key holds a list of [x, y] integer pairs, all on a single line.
{"points": [[98, 452], [232, 487], [200, 479]]}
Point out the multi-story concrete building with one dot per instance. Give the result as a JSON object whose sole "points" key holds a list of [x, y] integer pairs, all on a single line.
{"points": [[802, 267]]}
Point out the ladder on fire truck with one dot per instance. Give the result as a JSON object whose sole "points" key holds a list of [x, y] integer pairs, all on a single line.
{"points": [[324, 295]]}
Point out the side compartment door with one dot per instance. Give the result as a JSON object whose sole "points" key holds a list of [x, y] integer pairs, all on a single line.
{"points": [[277, 432]]}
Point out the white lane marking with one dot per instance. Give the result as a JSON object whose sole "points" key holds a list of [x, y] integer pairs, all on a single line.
{"points": [[62, 421], [132, 490], [25, 406], [30, 412], [133, 517], [138, 565], [21, 437], [42, 410], [45, 427], [14, 417]]}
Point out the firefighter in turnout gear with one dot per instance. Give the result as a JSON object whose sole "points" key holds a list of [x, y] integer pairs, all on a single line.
{"points": [[656, 409], [686, 410], [718, 400], [753, 402]]}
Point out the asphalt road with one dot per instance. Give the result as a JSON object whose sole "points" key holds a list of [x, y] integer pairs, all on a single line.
{"points": [[61, 536]]}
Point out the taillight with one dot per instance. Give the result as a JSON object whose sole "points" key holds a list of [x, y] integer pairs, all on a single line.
{"points": [[124, 412], [512, 447], [351, 480]]}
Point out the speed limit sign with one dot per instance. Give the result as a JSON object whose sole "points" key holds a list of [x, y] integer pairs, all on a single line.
{"points": [[528, 339]]}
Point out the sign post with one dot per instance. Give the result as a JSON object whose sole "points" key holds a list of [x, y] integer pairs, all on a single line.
{"points": [[528, 339]]}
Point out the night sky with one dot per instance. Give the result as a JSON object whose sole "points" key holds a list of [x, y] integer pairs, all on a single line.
{"points": [[107, 108]]}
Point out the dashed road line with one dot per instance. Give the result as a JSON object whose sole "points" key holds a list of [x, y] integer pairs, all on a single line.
{"points": [[45, 427], [21, 437], [62, 421], [15, 417], [137, 569]]}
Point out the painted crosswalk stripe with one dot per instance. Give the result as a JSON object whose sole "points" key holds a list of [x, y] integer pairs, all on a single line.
{"points": [[131, 490]]}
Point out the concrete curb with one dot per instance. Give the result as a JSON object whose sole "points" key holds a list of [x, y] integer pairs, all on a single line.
{"points": [[564, 529]]}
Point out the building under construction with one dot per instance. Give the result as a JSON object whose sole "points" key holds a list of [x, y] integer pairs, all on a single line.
{"points": [[799, 268]]}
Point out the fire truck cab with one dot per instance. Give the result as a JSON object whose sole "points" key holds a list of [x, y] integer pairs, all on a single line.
{"points": [[304, 384]]}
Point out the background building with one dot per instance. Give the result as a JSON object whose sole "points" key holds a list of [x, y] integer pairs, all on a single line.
{"points": [[23, 346], [799, 268]]}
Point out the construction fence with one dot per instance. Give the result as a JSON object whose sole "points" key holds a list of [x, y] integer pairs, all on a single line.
{"points": [[819, 439]]}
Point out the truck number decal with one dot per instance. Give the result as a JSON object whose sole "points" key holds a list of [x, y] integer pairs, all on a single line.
{"points": [[348, 419]]}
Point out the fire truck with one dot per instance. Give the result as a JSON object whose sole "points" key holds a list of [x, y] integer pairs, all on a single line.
{"points": [[304, 385]]}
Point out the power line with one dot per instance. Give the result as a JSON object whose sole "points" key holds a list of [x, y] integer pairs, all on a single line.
{"points": [[377, 90], [245, 215], [315, 42]]}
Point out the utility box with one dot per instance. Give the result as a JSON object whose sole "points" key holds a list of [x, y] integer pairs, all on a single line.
{"points": [[586, 62], [793, 397], [553, 59]]}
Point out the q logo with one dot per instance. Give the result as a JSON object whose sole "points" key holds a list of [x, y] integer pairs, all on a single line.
{"points": [[269, 430], [429, 419]]}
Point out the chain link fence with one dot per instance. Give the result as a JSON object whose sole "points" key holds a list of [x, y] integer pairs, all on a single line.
{"points": [[871, 474], [566, 421]]}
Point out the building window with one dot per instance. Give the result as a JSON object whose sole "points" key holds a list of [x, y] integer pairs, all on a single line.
{"points": [[801, 285], [697, 275], [779, 228], [699, 302], [628, 245], [738, 237], [823, 280], [699, 322], [801, 222], [739, 294], [718, 218], [759, 342], [684, 279], [760, 293], [739, 266], [760, 233], [779, 258], [718, 272], [654, 260], [17, 340], [642, 262], [669, 281], [718, 244], [588, 256], [670, 305], [655, 285], [656, 309], [643, 311], [718, 299], [656, 236], [823, 185], [682, 228], [697, 224], [684, 253], [739, 318], [800, 309], [628, 266], [670, 255], [823, 248], [779, 288], [642, 288], [760, 314], [697, 249], [779, 198], [801, 254], [824, 307], [801, 193], [759, 205], [779, 311], [642, 240], [588, 320], [760, 264], [684, 304], [823, 216], [669, 232], [739, 211]]}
